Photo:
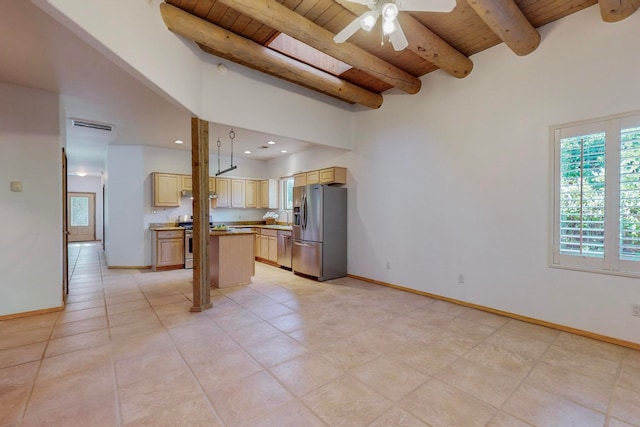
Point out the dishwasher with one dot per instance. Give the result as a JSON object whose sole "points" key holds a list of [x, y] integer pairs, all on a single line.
{"points": [[284, 248]]}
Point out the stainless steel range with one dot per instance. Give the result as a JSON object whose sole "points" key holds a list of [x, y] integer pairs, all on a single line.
{"points": [[188, 243], [188, 248]]}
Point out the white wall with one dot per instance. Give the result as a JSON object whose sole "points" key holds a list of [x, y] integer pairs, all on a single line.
{"points": [[31, 242], [124, 189], [456, 180], [143, 46], [314, 158], [89, 184]]}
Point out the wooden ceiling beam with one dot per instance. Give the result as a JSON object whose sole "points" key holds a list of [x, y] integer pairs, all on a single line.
{"points": [[258, 57], [425, 43], [283, 19], [505, 18], [617, 10]]}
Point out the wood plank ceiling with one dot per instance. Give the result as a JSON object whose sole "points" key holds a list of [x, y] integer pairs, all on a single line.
{"points": [[241, 31]]}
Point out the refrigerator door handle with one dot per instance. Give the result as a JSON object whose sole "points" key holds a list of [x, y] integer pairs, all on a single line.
{"points": [[304, 211]]}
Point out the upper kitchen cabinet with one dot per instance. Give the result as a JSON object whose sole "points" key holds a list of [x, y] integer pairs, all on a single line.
{"points": [[333, 175], [223, 190], [313, 177], [237, 193], [250, 193], [166, 190], [187, 182], [268, 195], [300, 179]]}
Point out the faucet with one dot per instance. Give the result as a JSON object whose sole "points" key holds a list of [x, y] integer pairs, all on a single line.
{"points": [[286, 212]]}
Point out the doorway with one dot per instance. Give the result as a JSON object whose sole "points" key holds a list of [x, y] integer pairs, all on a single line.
{"points": [[81, 216]]}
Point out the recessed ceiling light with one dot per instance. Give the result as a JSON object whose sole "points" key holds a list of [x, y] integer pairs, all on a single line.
{"points": [[177, 141], [81, 173], [271, 143], [247, 152], [283, 151]]}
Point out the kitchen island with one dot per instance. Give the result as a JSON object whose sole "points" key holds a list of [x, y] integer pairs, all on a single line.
{"points": [[231, 257]]}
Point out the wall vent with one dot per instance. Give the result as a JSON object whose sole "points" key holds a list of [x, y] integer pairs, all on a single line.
{"points": [[91, 125]]}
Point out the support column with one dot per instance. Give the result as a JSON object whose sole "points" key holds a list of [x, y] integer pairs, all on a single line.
{"points": [[200, 176]]}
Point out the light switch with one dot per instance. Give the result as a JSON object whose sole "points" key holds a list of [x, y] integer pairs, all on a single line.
{"points": [[16, 186]]}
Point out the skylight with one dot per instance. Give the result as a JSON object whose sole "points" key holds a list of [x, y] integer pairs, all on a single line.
{"points": [[305, 53]]}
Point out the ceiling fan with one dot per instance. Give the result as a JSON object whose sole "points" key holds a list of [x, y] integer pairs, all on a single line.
{"points": [[389, 9]]}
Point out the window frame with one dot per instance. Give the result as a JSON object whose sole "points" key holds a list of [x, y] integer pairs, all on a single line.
{"points": [[283, 191], [611, 262]]}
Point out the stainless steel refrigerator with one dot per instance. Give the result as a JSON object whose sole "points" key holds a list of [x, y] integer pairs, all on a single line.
{"points": [[320, 231]]}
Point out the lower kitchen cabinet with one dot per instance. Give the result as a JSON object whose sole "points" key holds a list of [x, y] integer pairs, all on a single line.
{"points": [[167, 249], [256, 247], [269, 245]]}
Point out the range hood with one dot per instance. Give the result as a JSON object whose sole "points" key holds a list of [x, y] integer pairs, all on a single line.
{"points": [[189, 194]]}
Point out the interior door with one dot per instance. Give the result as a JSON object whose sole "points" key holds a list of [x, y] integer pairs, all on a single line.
{"points": [[82, 216]]}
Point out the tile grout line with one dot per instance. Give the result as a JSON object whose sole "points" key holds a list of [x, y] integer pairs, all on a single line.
{"points": [[116, 391], [42, 356]]}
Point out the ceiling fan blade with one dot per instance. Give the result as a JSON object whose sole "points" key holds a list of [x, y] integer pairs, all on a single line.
{"points": [[426, 5], [365, 2], [398, 39], [347, 31]]}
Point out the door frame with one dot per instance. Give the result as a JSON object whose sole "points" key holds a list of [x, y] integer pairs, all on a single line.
{"points": [[65, 230]]}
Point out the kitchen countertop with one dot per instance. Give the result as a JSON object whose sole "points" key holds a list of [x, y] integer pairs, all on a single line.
{"points": [[231, 232], [269, 227], [164, 227], [169, 226]]}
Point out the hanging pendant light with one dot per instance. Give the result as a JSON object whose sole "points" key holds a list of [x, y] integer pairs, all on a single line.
{"points": [[232, 136]]}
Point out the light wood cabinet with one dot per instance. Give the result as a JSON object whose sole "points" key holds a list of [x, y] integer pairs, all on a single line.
{"points": [[187, 182], [313, 177], [223, 190], [269, 245], [167, 249], [212, 185], [237, 193], [256, 247], [166, 190], [273, 249], [268, 195], [250, 193], [332, 175], [300, 180], [231, 260]]}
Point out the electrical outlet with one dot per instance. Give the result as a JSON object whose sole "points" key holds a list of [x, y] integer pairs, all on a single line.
{"points": [[460, 278], [635, 310], [388, 265]]}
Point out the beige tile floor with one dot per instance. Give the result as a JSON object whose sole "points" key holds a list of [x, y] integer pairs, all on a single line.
{"points": [[286, 351]]}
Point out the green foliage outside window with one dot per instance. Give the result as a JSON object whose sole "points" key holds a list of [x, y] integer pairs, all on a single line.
{"points": [[630, 194]]}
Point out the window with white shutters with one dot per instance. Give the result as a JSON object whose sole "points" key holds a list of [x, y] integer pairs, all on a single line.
{"points": [[629, 246], [596, 223]]}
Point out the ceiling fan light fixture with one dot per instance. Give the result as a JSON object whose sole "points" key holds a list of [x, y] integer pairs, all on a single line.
{"points": [[389, 27], [368, 21], [389, 11]]}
